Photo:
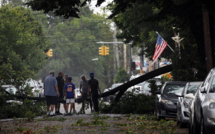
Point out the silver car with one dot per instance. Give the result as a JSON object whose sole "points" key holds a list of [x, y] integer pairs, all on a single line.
{"points": [[191, 111], [204, 106], [184, 101]]}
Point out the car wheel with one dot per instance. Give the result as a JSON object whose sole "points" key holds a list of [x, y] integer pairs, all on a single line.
{"points": [[178, 118], [181, 125], [190, 128], [202, 126], [155, 112], [158, 115], [195, 129]]}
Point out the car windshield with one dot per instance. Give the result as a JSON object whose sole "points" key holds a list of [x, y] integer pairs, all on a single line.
{"points": [[173, 89], [212, 87], [141, 84], [192, 89]]}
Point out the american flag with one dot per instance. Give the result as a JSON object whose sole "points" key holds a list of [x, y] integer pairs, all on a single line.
{"points": [[160, 46]]}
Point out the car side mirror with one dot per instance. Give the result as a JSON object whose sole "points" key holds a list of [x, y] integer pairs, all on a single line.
{"points": [[158, 92], [191, 96], [203, 90]]}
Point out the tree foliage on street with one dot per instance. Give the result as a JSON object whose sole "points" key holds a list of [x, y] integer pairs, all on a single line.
{"points": [[139, 19], [23, 44], [67, 8]]}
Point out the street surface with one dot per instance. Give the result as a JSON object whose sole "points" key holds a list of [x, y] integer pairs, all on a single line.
{"points": [[92, 124], [77, 108]]}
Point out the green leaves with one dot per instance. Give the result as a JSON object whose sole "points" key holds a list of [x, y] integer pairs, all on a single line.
{"points": [[121, 76], [74, 46], [22, 44]]}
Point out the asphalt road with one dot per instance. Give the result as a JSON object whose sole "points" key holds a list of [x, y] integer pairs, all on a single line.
{"points": [[77, 108]]}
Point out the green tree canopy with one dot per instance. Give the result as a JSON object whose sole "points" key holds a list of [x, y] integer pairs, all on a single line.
{"points": [[74, 46], [121, 76], [23, 44]]}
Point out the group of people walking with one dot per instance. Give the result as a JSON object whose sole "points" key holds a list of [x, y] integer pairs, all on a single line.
{"points": [[58, 90]]}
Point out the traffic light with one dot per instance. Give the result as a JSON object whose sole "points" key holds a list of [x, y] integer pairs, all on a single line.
{"points": [[50, 53], [106, 50], [102, 50]]}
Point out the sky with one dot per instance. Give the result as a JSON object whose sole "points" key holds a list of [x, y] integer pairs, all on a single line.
{"points": [[99, 9]]}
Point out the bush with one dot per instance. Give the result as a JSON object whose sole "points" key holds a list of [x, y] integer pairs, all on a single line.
{"points": [[121, 76], [130, 103], [16, 110]]}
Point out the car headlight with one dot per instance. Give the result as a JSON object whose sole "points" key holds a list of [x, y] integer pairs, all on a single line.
{"points": [[167, 102], [212, 105], [187, 102]]}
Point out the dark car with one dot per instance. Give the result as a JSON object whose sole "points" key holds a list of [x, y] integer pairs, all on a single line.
{"points": [[204, 106], [166, 99]]}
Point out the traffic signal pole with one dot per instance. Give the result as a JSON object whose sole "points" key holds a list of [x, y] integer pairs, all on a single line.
{"points": [[125, 62]]}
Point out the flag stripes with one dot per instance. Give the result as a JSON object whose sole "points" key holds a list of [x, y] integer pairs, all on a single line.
{"points": [[160, 46]]}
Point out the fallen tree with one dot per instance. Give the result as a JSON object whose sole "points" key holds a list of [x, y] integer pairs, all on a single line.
{"points": [[120, 89]]}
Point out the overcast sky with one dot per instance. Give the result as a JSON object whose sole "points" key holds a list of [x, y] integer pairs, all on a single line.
{"points": [[99, 9]]}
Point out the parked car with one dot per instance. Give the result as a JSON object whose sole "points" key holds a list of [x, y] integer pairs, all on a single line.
{"points": [[166, 99], [137, 89], [111, 97], [37, 92], [184, 101], [105, 99], [77, 93], [134, 77], [204, 106], [146, 87], [10, 89], [191, 111]]}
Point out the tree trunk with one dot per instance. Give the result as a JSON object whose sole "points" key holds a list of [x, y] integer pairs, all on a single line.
{"points": [[207, 39], [125, 57]]}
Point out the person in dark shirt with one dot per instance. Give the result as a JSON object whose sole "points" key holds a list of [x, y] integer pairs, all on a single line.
{"points": [[60, 82], [93, 87]]}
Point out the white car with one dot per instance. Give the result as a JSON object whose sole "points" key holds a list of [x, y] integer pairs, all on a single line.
{"points": [[13, 91], [36, 90], [137, 89], [77, 93], [10, 89], [105, 99]]}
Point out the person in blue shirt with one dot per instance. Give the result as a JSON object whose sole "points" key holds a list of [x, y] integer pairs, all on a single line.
{"points": [[69, 95], [51, 92]]}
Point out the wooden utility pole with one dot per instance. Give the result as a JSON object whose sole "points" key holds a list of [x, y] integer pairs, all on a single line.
{"points": [[116, 48], [130, 55], [125, 57], [207, 39]]}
